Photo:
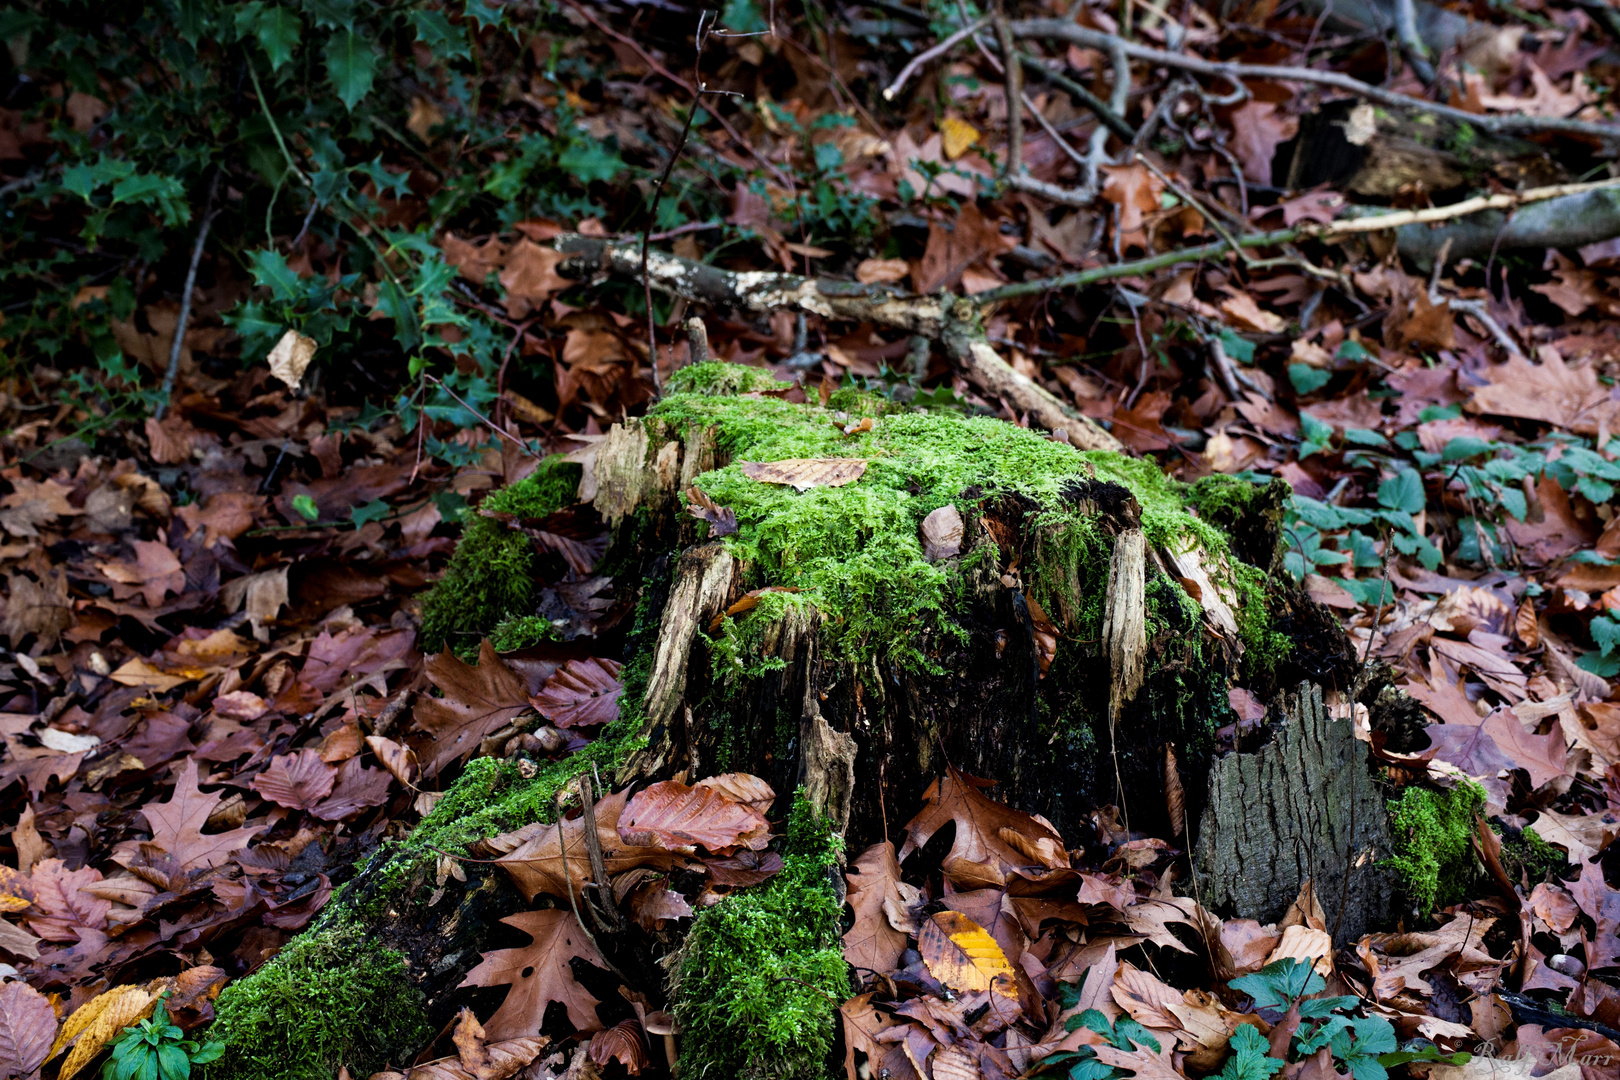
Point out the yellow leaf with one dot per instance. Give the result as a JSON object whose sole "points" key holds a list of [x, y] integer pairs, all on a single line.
{"points": [[957, 136], [961, 954], [15, 891], [99, 1021]]}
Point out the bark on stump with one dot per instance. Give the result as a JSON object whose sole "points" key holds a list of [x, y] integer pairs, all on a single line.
{"points": [[1303, 807]]}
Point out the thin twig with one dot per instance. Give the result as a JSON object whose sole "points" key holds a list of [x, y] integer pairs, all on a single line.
{"points": [[1506, 122], [1012, 74], [173, 369], [658, 192], [508, 436], [926, 55], [1099, 108]]}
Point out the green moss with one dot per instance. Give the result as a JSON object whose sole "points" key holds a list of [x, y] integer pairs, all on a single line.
{"points": [[1433, 832], [1526, 856], [521, 632], [331, 998], [718, 377], [492, 574], [760, 977]]}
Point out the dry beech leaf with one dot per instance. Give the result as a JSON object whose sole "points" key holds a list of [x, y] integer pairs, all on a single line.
{"points": [[398, 759], [1145, 997], [98, 1021], [961, 954], [743, 788], [290, 358], [536, 859], [942, 533], [1301, 942], [27, 1029], [582, 693], [675, 817], [801, 474]]}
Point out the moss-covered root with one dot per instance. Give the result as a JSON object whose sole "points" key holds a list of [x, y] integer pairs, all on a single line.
{"points": [[331, 998], [1433, 833], [491, 577], [759, 980]]}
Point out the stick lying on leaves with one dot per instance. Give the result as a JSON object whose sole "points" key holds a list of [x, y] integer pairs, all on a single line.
{"points": [[952, 321], [1608, 133]]}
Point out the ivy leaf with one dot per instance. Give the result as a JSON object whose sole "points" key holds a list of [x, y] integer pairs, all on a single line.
{"points": [[443, 38], [352, 66], [1250, 1058], [1278, 985], [375, 510]]}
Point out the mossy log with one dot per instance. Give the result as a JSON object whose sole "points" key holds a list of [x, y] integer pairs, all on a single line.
{"points": [[1089, 614]]}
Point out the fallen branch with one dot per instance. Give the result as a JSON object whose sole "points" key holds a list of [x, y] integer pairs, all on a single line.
{"points": [[953, 321], [175, 349], [926, 55], [1061, 30]]}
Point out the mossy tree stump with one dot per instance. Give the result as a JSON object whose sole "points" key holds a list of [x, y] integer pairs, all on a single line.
{"points": [[1092, 617]]}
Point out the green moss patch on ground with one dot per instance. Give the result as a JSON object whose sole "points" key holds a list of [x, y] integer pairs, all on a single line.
{"points": [[331, 998], [491, 576], [758, 982], [1433, 833]]}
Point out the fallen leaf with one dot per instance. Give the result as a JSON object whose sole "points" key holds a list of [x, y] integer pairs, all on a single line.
{"points": [[804, 473], [290, 358], [675, 817], [962, 955], [538, 974], [177, 826], [27, 1028], [583, 693], [873, 944], [99, 1021], [744, 788], [297, 781], [478, 700], [942, 533], [957, 137], [980, 854]]}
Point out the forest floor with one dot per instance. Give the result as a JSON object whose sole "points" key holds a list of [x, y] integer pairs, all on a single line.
{"points": [[228, 681]]}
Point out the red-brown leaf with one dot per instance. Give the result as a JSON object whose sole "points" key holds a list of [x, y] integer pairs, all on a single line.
{"points": [[478, 700], [675, 817], [27, 1028], [583, 693], [538, 974], [296, 781]]}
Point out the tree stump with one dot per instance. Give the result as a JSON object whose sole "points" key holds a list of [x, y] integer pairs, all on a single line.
{"points": [[1302, 807], [966, 594]]}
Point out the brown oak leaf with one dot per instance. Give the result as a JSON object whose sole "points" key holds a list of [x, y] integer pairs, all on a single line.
{"points": [[538, 974], [297, 781], [583, 693], [178, 823], [477, 701], [980, 855]]}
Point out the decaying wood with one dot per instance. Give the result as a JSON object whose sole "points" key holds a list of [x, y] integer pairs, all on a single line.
{"points": [[702, 580], [1125, 620], [1303, 807], [953, 321]]}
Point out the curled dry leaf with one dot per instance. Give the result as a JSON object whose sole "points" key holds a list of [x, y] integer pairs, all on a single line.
{"points": [[397, 758], [802, 474], [98, 1021], [962, 955], [722, 519], [942, 533], [874, 942], [675, 817], [290, 358], [980, 854], [582, 693], [624, 1043]]}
